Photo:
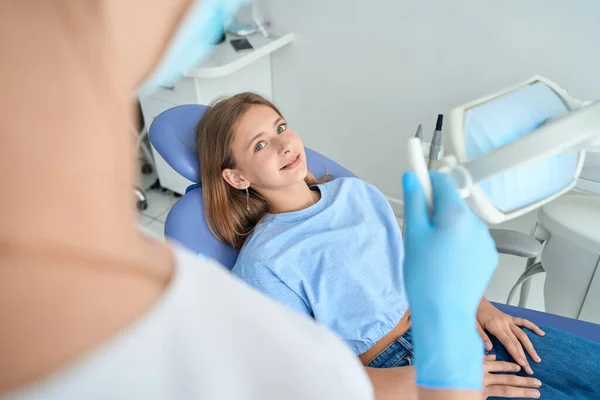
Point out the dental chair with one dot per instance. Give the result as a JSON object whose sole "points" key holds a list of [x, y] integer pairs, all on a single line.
{"points": [[172, 134]]}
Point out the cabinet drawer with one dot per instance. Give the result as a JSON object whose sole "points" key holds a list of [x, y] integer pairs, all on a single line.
{"points": [[181, 92]]}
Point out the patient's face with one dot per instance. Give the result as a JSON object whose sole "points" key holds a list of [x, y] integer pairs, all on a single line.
{"points": [[268, 153]]}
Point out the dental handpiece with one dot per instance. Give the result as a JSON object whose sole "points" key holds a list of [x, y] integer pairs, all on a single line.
{"points": [[419, 133], [436, 143]]}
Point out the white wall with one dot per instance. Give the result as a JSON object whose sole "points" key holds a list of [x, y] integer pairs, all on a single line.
{"points": [[362, 74]]}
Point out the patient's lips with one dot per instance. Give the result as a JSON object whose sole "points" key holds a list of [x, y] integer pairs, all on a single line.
{"points": [[294, 162]]}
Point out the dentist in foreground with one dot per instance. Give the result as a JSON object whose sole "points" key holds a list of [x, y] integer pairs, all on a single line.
{"points": [[90, 308]]}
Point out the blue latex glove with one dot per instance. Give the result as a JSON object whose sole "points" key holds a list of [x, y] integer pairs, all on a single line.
{"points": [[450, 258]]}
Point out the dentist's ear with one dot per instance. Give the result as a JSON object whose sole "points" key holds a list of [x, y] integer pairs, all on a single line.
{"points": [[235, 179]]}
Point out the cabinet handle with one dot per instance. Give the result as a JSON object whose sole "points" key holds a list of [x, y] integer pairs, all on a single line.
{"points": [[172, 87]]}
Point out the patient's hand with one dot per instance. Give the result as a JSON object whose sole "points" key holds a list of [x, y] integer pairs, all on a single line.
{"points": [[505, 385], [507, 330]]}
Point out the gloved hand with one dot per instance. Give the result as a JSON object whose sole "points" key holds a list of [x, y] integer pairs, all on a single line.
{"points": [[450, 258]]}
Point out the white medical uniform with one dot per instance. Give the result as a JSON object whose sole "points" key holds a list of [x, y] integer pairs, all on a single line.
{"points": [[211, 338]]}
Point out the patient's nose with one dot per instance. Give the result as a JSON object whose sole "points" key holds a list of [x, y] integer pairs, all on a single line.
{"points": [[285, 146]]}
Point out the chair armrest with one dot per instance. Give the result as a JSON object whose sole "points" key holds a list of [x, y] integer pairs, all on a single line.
{"points": [[516, 243]]}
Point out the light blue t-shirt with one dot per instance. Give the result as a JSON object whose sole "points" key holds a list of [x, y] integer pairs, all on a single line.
{"points": [[338, 261]]}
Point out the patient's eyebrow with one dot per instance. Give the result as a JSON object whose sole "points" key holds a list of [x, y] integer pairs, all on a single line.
{"points": [[254, 138], [278, 120]]}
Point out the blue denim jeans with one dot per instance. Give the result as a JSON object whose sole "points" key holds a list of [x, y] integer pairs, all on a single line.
{"points": [[570, 367], [398, 354]]}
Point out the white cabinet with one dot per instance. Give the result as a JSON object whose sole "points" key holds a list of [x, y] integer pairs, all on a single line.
{"points": [[571, 256], [590, 311], [182, 91], [589, 181], [224, 73], [153, 106]]}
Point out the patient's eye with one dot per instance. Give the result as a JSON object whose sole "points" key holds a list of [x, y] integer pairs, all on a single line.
{"points": [[259, 146], [281, 128]]}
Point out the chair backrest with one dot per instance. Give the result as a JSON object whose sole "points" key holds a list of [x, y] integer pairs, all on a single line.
{"points": [[172, 134]]}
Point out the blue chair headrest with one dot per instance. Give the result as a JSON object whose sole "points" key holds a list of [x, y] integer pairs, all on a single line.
{"points": [[173, 135]]}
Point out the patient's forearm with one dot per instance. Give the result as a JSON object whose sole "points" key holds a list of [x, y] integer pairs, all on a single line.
{"points": [[431, 394], [399, 384], [393, 383]]}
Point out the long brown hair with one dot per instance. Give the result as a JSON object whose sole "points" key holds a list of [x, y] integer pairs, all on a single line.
{"points": [[225, 207]]}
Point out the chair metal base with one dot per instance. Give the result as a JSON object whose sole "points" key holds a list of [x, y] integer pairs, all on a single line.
{"points": [[141, 199]]}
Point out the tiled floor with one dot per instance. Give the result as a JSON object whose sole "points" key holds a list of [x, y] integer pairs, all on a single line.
{"points": [[159, 204], [510, 268]]}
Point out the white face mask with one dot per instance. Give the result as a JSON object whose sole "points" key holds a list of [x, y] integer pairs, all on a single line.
{"points": [[194, 39], [518, 149]]}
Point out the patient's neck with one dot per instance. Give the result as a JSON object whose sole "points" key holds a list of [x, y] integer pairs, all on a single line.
{"points": [[292, 198]]}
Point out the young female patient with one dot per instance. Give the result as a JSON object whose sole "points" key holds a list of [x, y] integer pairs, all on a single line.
{"points": [[332, 250]]}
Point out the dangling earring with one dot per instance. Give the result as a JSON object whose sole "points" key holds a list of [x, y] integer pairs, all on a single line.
{"points": [[247, 200]]}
